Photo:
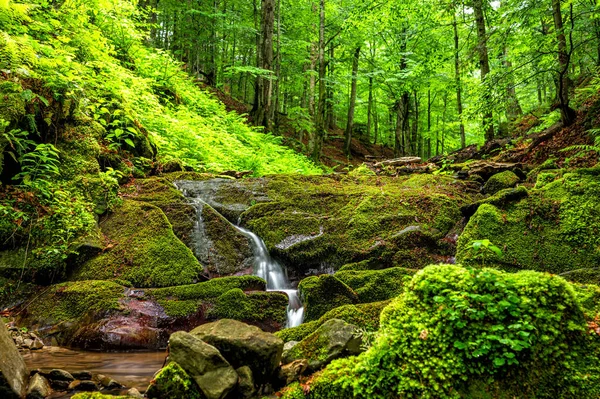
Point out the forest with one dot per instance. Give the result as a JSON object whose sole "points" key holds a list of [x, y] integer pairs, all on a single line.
{"points": [[318, 199]]}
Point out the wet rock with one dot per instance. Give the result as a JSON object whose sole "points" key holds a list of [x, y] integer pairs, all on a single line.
{"points": [[243, 345], [246, 388], [289, 345], [27, 343], [320, 294], [172, 382], [83, 386], [82, 375], [291, 372], [60, 385], [13, 371], [203, 362], [134, 393], [39, 387], [500, 181], [334, 339], [60, 375], [37, 344], [109, 383]]}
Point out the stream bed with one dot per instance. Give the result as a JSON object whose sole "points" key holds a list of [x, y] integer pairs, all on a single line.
{"points": [[132, 369]]}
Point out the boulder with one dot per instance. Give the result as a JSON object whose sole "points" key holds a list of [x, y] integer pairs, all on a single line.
{"points": [[334, 339], [320, 294], [203, 362], [501, 181], [172, 382], [246, 389], [244, 345], [291, 372], [60, 375], [83, 386], [13, 371], [39, 388]]}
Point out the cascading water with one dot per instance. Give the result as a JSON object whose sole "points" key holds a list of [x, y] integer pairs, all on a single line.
{"points": [[200, 193], [271, 271]]}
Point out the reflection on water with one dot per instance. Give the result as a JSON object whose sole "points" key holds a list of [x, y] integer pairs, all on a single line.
{"points": [[132, 369]]}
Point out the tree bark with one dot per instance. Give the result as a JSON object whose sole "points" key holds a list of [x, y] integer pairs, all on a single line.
{"points": [[264, 89], [320, 120], [564, 59], [459, 105], [484, 64], [351, 106], [370, 111]]}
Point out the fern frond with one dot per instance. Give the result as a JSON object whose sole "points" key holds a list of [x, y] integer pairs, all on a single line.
{"points": [[582, 148]]}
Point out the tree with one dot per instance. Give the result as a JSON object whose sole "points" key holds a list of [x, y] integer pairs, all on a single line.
{"points": [[484, 64], [261, 111], [352, 102], [564, 59]]}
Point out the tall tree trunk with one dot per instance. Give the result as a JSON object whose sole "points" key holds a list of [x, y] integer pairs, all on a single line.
{"points": [[416, 142], [351, 106], [330, 119], [264, 85], [459, 105], [429, 123], [275, 109], [564, 58], [370, 111], [514, 109], [484, 64], [314, 58], [320, 120]]}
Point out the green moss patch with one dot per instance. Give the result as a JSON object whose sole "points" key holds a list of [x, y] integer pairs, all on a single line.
{"points": [[376, 285], [174, 383], [501, 181], [319, 294], [142, 249]]}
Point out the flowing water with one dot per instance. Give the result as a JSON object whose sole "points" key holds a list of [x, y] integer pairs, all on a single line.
{"points": [[132, 369]]}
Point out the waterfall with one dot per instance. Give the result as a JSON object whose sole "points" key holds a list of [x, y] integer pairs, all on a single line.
{"points": [[202, 193], [271, 271]]}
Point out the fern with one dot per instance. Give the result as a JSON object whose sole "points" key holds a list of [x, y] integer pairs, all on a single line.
{"points": [[583, 148]]}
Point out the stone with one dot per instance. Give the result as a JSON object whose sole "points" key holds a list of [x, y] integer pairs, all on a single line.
{"points": [[109, 383], [320, 294], [332, 340], [60, 385], [84, 386], [134, 393], [243, 345], [500, 181], [13, 371], [246, 389], [203, 362], [291, 372], [39, 387], [289, 345], [172, 382], [82, 375], [37, 344], [60, 375]]}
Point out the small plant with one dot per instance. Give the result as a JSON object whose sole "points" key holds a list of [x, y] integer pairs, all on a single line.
{"points": [[483, 248], [40, 164]]}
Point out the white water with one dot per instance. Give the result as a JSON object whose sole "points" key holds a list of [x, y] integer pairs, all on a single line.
{"points": [[271, 271]]}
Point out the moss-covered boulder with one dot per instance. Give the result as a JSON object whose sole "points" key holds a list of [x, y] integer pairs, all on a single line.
{"points": [[364, 316], [475, 333], [376, 285], [172, 382], [334, 339], [319, 294], [142, 249], [501, 181], [556, 228], [244, 345]]}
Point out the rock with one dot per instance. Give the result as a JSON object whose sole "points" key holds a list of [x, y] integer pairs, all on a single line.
{"points": [[84, 386], [246, 388], [172, 382], [134, 393], [37, 344], [500, 181], [109, 383], [319, 294], [289, 345], [13, 371], [60, 375], [39, 388], [60, 385], [19, 341], [244, 345], [82, 375], [334, 339], [291, 372], [203, 362], [376, 285], [27, 343]]}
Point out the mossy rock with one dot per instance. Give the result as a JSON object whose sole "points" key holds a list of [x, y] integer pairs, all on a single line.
{"points": [[97, 395], [501, 181], [142, 249], [555, 229], [319, 294], [376, 285], [364, 316], [172, 382]]}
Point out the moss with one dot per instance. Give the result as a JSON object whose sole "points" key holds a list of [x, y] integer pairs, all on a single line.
{"points": [[555, 229], [320, 294], [365, 316], [252, 308], [174, 383], [72, 302], [208, 289], [96, 395], [292, 391], [141, 248], [376, 285], [501, 181]]}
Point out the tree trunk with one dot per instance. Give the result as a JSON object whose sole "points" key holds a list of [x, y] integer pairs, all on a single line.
{"points": [[320, 120], [351, 106], [484, 64], [264, 90], [514, 109], [459, 105], [275, 109], [370, 111], [330, 89], [564, 58]]}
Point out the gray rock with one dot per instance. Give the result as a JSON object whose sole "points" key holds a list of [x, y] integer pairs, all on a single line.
{"points": [[84, 386], [213, 374], [39, 388], [291, 372], [27, 343], [244, 345], [246, 387], [334, 339], [134, 393], [13, 371], [60, 375], [82, 375], [37, 344]]}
